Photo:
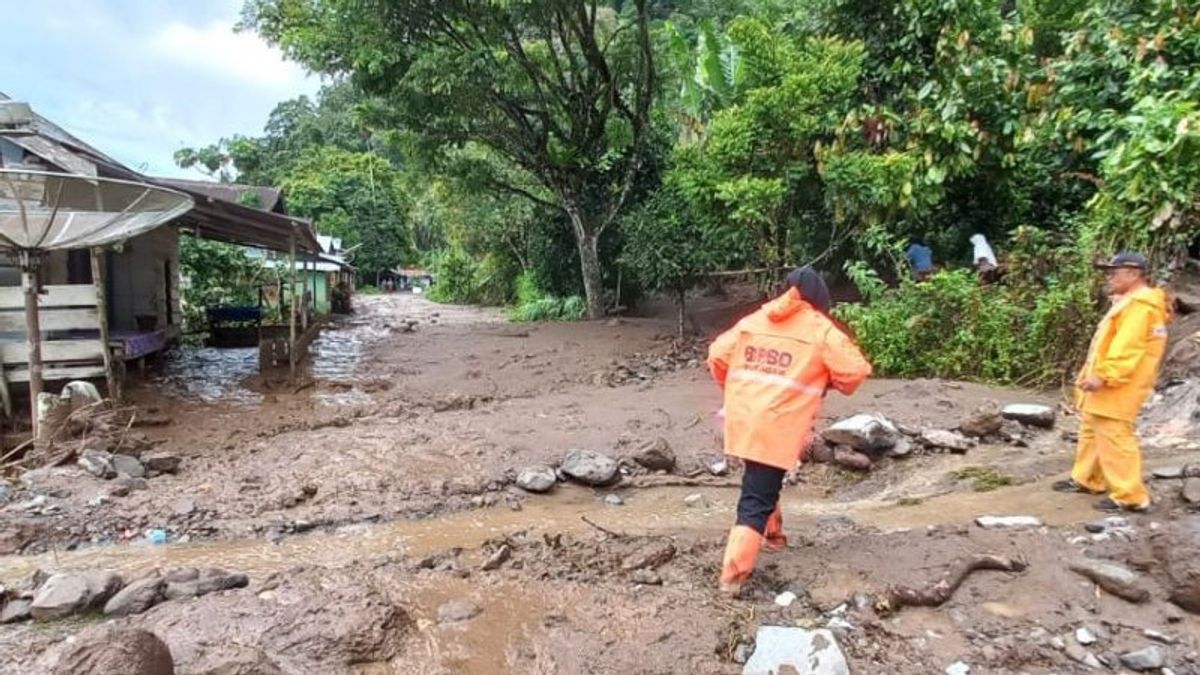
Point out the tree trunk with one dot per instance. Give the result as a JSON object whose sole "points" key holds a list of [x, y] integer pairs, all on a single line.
{"points": [[680, 304], [587, 240]]}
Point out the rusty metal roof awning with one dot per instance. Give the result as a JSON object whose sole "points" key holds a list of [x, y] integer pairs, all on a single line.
{"points": [[244, 225]]}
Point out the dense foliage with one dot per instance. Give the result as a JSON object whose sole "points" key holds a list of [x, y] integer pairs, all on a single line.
{"points": [[530, 151], [217, 274]]}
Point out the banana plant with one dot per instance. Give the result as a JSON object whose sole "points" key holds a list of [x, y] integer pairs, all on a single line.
{"points": [[711, 75]]}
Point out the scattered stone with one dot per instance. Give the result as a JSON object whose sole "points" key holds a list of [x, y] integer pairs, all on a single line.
{"points": [[185, 507], [1158, 637], [741, 653], [1191, 491], [1168, 472], [985, 421], [590, 468], [162, 462], [118, 491], [819, 453], [646, 578], [696, 501], [1085, 636], [848, 458], [649, 556], [457, 611], [863, 432], [136, 598], [16, 610], [1082, 656], [949, 440], [1113, 578], [1177, 548], [656, 456], [719, 467], [65, 594], [97, 462], [1147, 658], [785, 599], [131, 483], [902, 448], [1007, 522], [537, 479], [106, 649], [1095, 527], [127, 465], [205, 585], [1030, 414], [782, 649], [498, 558], [958, 668], [614, 500]]}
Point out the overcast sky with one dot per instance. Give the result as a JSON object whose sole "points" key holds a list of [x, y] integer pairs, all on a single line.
{"points": [[140, 79]]}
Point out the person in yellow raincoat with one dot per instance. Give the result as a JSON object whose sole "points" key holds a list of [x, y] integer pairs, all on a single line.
{"points": [[1118, 376], [775, 366]]}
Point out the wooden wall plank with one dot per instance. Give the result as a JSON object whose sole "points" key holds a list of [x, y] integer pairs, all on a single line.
{"points": [[53, 319], [54, 350], [53, 373], [62, 295]]}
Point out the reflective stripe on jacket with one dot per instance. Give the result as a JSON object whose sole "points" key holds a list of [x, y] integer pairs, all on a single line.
{"points": [[775, 366], [1125, 353]]}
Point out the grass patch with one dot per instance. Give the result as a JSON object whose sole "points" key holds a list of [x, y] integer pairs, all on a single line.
{"points": [[984, 478], [909, 501]]}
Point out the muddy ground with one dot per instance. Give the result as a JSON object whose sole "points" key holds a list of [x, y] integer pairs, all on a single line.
{"points": [[365, 502]]}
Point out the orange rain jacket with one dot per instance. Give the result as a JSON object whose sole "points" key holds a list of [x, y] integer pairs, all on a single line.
{"points": [[775, 366], [1125, 354]]}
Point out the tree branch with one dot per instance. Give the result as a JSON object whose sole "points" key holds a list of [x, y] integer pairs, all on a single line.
{"points": [[522, 192]]}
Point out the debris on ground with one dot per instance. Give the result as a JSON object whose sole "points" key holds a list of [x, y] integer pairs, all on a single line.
{"points": [[863, 433], [1113, 578], [938, 592], [1031, 414], [656, 455], [590, 467], [780, 649]]}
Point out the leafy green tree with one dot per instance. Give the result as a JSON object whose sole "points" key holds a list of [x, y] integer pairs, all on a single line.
{"points": [[217, 274], [359, 197], [562, 89]]}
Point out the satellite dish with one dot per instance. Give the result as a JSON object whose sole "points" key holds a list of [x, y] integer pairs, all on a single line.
{"points": [[42, 211]]}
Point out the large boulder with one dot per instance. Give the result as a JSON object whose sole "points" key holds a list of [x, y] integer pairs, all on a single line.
{"points": [[136, 598], [1030, 414], [98, 463], [205, 584], [1114, 578], [15, 610], [656, 455], [589, 467], [784, 649], [984, 421], [868, 433], [107, 650], [1177, 547], [536, 479], [65, 594]]}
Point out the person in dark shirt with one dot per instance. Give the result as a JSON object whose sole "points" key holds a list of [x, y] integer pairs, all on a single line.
{"points": [[920, 257]]}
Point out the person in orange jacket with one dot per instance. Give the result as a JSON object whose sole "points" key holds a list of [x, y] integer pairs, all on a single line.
{"points": [[776, 366], [1117, 377]]}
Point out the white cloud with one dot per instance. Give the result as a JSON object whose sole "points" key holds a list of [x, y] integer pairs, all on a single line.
{"points": [[216, 49]]}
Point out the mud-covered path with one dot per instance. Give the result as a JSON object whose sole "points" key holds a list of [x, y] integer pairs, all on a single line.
{"points": [[371, 496]]}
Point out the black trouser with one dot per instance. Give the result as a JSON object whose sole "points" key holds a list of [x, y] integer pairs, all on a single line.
{"points": [[760, 494]]}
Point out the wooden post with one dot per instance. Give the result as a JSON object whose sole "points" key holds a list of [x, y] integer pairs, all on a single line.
{"points": [[292, 313], [110, 374], [33, 333]]}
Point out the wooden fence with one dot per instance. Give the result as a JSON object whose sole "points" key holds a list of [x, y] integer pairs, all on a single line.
{"points": [[70, 325]]}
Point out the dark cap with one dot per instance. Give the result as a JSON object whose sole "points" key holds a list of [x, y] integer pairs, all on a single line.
{"points": [[1126, 260], [812, 287]]}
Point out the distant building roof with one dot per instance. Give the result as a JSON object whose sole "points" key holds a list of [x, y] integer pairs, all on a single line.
{"points": [[259, 197]]}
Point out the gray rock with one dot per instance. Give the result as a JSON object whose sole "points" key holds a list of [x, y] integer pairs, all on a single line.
{"points": [[1085, 636], [105, 650], [1113, 578], [1031, 414], [1177, 547], [1159, 637], [66, 594], [537, 479], [185, 506], [1147, 658], [870, 433], [696, 501], [1082, 656], [131, 483], [98, 463], [902, 448], [15, 610], [819, 453], [182, 574], [782, 649], [949, 440], [1007, 522], [742, 653], [985, 421], [958, 668], [854, 460], [136, 598], [590, 468], [128, 465], [646, 578], [719, 467], [656, 456], [614, 500], [204, 585], [497, 559], [1168, 472], [1191, 491], [457, 611], [162, 462]]}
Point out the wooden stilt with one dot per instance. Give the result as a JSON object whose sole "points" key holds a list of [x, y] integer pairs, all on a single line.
{"points": [[33, 333], [110, 373], [292, 313]]}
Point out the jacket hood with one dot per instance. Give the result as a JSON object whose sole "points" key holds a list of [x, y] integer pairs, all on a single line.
{"points": [[1155, 297], [786, 306]]}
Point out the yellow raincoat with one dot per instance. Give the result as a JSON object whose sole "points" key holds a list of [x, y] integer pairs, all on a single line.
{"points": [[1125, 355]]}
